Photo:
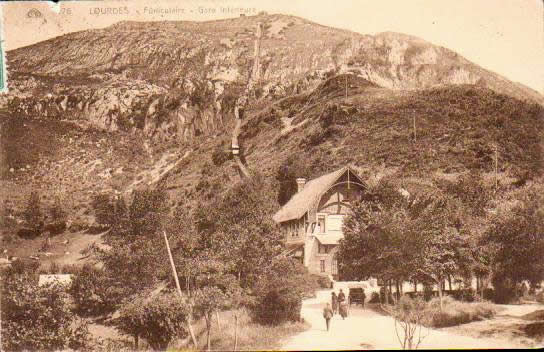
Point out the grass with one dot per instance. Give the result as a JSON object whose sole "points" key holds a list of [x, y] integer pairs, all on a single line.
{"points": [[251, 336], [457, 312], [453, 312]]}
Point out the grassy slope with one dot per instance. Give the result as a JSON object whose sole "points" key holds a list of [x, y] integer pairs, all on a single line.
{"points": [[457, 128]]}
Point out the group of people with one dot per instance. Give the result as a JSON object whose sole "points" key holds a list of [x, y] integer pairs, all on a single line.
{"points": [[338, 304]]}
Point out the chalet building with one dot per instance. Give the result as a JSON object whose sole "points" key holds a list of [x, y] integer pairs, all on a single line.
{"points": [[312, 219]]}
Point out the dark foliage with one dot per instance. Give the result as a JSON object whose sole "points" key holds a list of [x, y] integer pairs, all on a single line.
{"points": [[94, 292], [291, 169], [38, 318], [279, 296]]}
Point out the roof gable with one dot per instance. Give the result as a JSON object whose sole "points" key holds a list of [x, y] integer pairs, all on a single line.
{"points": [[301, 201]]}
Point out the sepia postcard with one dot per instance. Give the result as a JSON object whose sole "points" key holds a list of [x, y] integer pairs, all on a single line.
{"points": [[290, 175]]}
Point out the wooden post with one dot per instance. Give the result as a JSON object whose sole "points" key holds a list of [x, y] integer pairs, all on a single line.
{"points": [[235, 331], [346, 86], [496, 168], [415, 136], [218, 320], [188, 319]]}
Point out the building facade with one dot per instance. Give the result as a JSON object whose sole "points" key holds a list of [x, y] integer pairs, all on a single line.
{"points": [[312, 219]]}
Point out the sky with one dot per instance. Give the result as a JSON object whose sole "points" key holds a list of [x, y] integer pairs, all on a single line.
{"points": [[504, 36]]}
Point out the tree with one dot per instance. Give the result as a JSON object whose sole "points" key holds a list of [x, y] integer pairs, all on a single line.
{"points": [[147, 212], [239, 229], [292, 168], [279, 294], [56, 212], [159, 320], [379, 237], [38, 318], [208, 300], [32, 214], [518, 243], [397, 237], [409, 316], [94, 292], [103, 209]]}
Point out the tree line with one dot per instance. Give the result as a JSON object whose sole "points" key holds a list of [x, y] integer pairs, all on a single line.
{"points": [[448, 230]]}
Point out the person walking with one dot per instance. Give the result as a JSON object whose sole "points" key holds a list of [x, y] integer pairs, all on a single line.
{"points": [[341, 296], [334, 302], [363, 298], [327, 314], [342, 304]]}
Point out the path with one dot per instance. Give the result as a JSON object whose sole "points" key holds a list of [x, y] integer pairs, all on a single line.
{"points": [[365, 329]]}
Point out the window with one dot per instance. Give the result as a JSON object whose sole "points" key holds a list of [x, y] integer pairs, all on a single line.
{"points": [[323, 248], [334, 267], [321, 223], [335, 223], [322, 265]]}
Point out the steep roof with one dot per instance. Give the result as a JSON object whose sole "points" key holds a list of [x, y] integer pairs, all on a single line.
{"points": [[301, 202]]}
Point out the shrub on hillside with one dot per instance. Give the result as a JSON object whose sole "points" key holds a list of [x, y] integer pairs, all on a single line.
{"points": [[94, 292], [32, 214], [220, 155], [57, 212], [38, 318], [159, 320], [24, 266]]}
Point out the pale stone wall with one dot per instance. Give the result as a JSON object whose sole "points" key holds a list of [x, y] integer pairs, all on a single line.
{"points": [[314, 260]]}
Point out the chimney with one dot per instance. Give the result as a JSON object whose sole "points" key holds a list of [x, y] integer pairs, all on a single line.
{"points": [[301, 181]]}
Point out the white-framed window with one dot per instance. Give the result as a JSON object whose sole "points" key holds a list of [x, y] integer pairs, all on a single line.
{"points": [[321, 223], [334, 223], [322, 266], [323, 248], [334, 265]]}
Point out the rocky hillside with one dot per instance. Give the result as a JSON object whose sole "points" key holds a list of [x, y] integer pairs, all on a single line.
{"points": [[150, 105], [177, 80]]}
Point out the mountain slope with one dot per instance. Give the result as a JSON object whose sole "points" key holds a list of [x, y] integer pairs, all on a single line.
{"points": [[178, 79], [150, 105]]}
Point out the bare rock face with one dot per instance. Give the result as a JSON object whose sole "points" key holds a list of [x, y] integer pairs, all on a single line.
{"points": [[179, 79]]}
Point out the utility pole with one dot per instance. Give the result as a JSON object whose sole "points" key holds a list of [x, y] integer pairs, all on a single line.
{"points": [[496, 167], [174, 271], [346, 86], [415, 136]]}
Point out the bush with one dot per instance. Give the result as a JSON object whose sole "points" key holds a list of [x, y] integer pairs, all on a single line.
{"points": [[159, 320], [324, 282], [32, 213], [24, 266], [38, 318], [540, 296], [94, 292], [456, 313], [466, 295], [220, 155], [278, 298], [374, 298], [409, 315], [505, 290], [279, 306]]}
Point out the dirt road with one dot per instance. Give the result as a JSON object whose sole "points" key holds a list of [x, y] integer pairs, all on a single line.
{"points": [[365, 329]]}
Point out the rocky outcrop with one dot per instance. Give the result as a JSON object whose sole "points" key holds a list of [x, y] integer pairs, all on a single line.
{"points": [[177, 79]]}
